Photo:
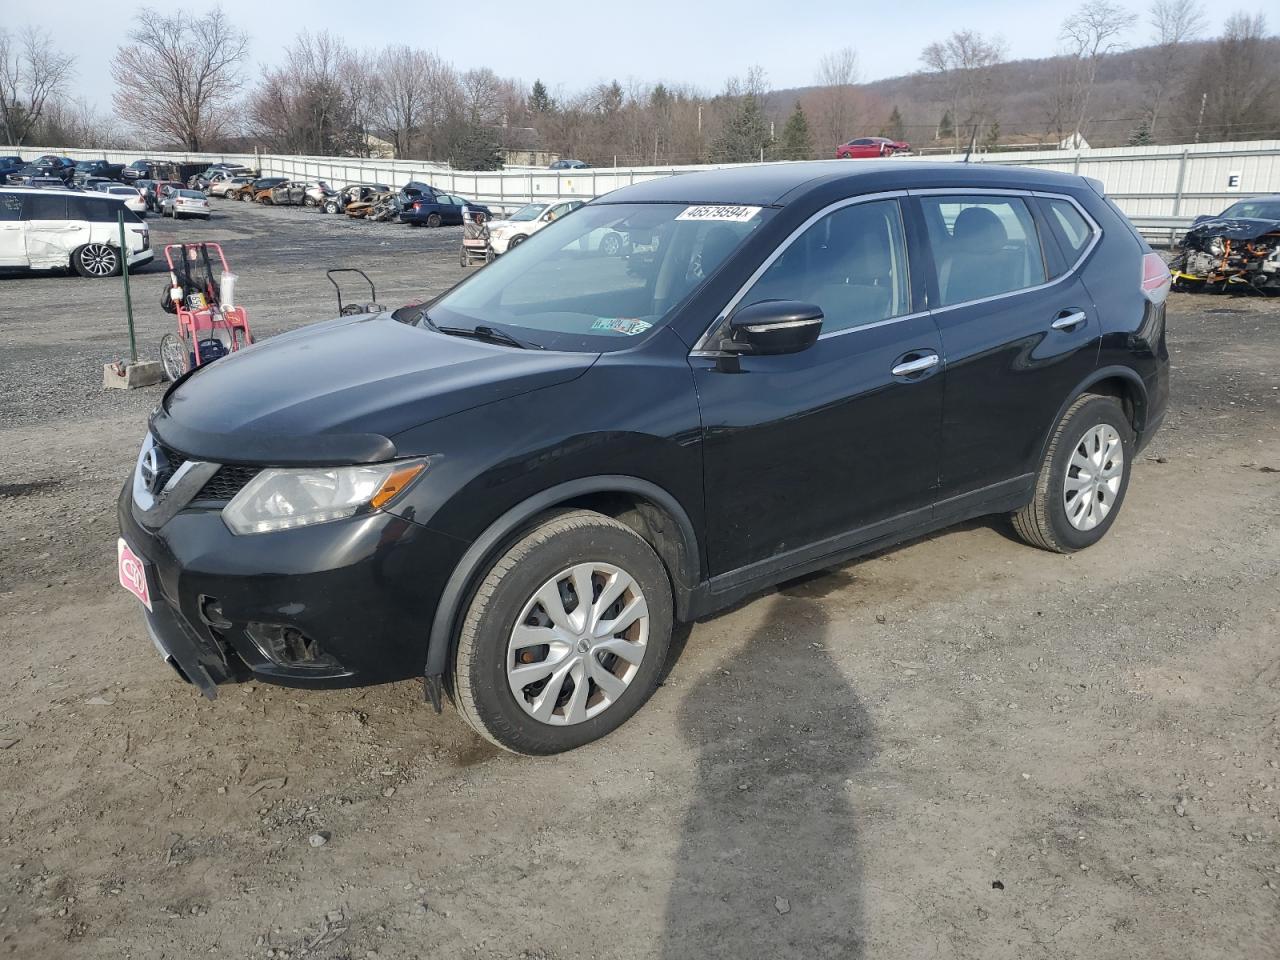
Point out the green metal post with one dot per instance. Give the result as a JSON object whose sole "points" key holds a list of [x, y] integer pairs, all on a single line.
{"points": [[128, 298]]}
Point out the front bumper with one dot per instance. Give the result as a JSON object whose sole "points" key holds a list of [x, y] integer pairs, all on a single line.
{"points": [[362, 592]]}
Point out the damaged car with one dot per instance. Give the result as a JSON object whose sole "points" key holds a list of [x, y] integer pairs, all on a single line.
{"points": [[1239, 249]]}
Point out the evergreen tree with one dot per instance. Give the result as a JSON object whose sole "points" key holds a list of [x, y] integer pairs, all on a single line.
{"points": [[476, 149], [946, 128], [1141, 135], [539, 99], [796, 142], [993, 135], [894, 129], [744, 135]]}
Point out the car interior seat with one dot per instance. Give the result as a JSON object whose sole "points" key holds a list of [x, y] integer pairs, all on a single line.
{"points": [[980, 262]]}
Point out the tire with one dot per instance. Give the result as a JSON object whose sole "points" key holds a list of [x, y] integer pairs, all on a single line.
{"points": [[462, 259], [1087, 433], [433, 220], [308, 202], [549, 558], [96, 260], [611, 245], [247, 197], [174, 356], [516, 241], [330, 207]]}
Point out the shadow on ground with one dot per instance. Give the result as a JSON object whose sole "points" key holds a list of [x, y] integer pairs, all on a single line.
{"points": [[779, 731]]}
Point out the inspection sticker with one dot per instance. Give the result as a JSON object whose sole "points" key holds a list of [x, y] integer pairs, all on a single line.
{"points": [[621, 325], [719, 211]]}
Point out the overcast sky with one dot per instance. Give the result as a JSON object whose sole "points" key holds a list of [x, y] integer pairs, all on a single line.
{"points": [[572, 45]]}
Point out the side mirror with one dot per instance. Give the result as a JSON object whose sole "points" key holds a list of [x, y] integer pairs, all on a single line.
{"points": [[774, 327]]}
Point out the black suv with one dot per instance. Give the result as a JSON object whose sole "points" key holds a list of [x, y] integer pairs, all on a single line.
{"points": [[514, 490]]}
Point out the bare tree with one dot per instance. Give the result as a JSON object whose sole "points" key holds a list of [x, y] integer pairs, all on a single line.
{"points": [[964, 66], [1235, 92], [1091, 33], [362, 87], [1173, 24], [837, 104], [301, 106], [178, 75], [33, 75]]}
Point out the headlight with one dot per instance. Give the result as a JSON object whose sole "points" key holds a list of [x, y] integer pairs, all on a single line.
{"points": [[1216, 247], [280, 499]]}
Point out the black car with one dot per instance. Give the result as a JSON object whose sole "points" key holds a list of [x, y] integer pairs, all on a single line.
{"points": [[140, 170], [1237, 249], [516, 489], [89, 169], [49, 165], [569, 165], [10, 166]]}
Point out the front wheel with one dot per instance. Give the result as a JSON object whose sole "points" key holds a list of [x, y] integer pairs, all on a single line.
{"points": [[516, 241], [174, 356], [566, 636], [1082, 481]]}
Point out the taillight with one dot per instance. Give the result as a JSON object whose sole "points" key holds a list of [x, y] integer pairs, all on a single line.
{"points": [[1156, 279], [417, 206]]}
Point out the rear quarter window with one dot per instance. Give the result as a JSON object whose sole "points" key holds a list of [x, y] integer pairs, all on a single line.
{"points": [[1072, 230]]}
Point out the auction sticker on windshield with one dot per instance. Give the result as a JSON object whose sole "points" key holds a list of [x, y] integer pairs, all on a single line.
{"points": [[621, 325], [133, 575], [719, 211]]}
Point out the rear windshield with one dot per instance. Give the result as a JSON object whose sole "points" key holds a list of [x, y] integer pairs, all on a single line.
{"points": [[601, 277]]}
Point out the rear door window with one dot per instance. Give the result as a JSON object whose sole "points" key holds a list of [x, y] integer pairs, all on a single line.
{"points": [[44, 206], [983, 246], [852, 263]]}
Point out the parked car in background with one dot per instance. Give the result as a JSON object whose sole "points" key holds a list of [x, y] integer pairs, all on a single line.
{"points": [[438, 209], [97, 184], [1237, 249], [160, 190], [352, 193], [129, 195], [88, 169], [504, 494], [185, 203], [289, 193], [528, 220], [44, 182], [872, 147], [229, 188], [49, 165], [139, 170], [10, 166], [56, 229], [250, 191], [317, 192], [569, 165], [216, 172]]}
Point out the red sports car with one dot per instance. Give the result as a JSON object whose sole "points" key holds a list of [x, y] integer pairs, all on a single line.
{"points": [[871, 147]]}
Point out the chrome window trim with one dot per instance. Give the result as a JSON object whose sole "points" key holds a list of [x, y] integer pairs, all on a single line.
{"points": [[701, 349]]}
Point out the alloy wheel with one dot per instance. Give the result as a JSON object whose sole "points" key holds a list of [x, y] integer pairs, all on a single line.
{"points": [[578, 643], [1094, 475], [99, 260]]}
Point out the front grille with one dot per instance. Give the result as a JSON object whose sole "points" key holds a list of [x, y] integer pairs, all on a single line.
{"points": [[227, 482]]}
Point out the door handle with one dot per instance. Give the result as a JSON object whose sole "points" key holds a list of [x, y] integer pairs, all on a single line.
{"points": [[1069, 319], [918, 365]]}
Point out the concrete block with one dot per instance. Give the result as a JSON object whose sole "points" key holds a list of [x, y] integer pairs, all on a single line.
{"points": [[127, 376]]}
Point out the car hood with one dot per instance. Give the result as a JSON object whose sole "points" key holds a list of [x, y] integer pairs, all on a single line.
{"points": [[1233, 228], [340, 391]]}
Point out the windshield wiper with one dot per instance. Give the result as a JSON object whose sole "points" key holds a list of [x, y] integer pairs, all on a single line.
{"points": [[487, 334]]}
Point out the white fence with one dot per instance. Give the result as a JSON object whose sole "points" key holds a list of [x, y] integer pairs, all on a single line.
{"points": [[1156, 181]]}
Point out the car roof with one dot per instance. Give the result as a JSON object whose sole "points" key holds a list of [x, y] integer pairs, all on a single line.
{"points": [[42, 191], [778, 184]]}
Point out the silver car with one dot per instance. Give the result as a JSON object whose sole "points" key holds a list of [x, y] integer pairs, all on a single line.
{"points": [[184, 203]]}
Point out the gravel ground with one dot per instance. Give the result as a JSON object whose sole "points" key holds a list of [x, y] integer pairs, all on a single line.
{"points": [[960, 748]]}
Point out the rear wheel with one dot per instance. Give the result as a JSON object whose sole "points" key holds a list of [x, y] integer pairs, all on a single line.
{"points": [[1083, 479], [96, 260], [331, 207], [247, 197], [611, 245], [516, 241], [174, 356], [433, 220], [565, 637]]}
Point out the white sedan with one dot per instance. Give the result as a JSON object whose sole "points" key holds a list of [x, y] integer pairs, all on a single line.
{"points": [[529, 219], [184, 203], [133, 199]]}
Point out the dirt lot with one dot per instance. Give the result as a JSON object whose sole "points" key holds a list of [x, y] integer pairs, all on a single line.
{"points": [[961, 748]]}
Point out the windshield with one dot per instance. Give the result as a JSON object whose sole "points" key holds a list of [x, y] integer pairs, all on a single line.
{"points": [[529, 211], [602, 276], [1255, 209]]}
